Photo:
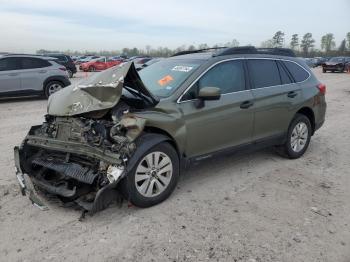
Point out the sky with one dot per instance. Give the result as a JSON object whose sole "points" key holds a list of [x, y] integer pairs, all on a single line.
{"points": [[29, 25]]}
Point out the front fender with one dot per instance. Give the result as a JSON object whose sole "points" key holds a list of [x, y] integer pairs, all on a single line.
{"points": [[143, 144]]}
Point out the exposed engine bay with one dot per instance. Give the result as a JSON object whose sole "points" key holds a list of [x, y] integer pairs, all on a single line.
{"points": [[80, 156]]}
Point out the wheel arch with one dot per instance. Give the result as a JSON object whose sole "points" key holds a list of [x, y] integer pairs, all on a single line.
{"points": [[171, 140], [309, 113], [151, 137], [52, 79]]}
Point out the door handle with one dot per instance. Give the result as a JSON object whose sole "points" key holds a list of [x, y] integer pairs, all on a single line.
{"points": [[246, 104], [13, 74], [292, 94], [42, 71]]}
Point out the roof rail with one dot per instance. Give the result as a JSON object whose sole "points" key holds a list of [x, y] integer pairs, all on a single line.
{"points": [[186, 52], [254, 50]]}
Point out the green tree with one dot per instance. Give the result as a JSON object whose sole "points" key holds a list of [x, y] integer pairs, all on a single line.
{"points": [[233, 43], [294, 43], [348, 39], [278, 39], [307, 43], [342, 47], [327, 42], [191, 48], [203, 46]]}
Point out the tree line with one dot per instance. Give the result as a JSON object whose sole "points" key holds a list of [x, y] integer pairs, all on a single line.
{"points": [[304, 46]]}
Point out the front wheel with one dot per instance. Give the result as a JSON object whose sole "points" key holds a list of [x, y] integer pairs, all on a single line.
{"points": [[324, 70], [92, 69], [153, 178], [298, 137]]}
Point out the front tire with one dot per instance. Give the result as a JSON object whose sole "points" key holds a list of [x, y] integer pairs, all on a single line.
{"points": [[298, 137], [153, 178], [92, 69], [324, 70]]}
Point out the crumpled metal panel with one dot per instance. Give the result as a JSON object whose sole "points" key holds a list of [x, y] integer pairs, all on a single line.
{"points": [[101, 91]]}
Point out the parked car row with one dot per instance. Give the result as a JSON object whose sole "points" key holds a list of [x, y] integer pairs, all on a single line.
{"points": [[332, 64], [339, 64]]}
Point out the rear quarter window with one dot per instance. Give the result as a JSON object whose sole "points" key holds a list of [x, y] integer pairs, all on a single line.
{"points": [[299, 74]]}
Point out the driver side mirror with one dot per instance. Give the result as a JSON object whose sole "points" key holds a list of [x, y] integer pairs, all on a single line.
{"points": [[207, 93]]}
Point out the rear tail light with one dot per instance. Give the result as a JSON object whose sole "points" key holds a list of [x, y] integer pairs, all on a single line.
{"points": [[63, 68], [322, 88]]}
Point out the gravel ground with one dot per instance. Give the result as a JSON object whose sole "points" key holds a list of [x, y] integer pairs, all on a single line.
{"points": [[254, 207]]}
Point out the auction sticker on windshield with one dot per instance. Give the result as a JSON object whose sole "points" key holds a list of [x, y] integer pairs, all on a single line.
{"points": [[165, 80], [185, 69]]}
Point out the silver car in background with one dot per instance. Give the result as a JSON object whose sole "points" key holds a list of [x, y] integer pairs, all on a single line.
{"points": [[22, 75]]}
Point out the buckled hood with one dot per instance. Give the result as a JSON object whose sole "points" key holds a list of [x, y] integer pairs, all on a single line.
{"points": [[99, 92]]}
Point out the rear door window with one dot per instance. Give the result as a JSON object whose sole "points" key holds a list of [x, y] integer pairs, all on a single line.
{"points": [[285, 79], [10, 63], [32, 63], [299, 74], [263, 72]]}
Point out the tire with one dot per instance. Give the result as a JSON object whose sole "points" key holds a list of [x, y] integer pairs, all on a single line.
{"points": [[70, 73], [132, 190], [52, 87], [324, 70], [92, 69], [290, 149]]}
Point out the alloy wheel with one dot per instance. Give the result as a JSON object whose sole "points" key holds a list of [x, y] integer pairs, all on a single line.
{"points": [[153, 174], [299, 137], [53, 88]]}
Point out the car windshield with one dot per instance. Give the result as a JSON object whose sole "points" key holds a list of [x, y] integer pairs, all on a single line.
{"points": [[164, 77], [336, 59]]}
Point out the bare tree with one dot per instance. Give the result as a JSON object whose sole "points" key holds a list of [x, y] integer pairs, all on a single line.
{"points": [[267, 44]]}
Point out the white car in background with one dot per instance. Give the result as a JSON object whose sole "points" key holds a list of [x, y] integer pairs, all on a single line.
{"points": [[22, 75]]}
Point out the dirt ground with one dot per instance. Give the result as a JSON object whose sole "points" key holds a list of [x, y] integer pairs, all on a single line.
{"points": [[255, 207]]}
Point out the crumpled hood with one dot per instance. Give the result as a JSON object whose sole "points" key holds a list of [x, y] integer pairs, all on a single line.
{"points": [[98, 92]]}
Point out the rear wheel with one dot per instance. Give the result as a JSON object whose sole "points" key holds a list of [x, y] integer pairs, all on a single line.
{"points": [[52, 87], [70, 73], [298, 137], [153, 178]]}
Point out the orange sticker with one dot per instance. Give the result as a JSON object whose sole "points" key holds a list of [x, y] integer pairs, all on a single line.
{"points": [[165, 80]]}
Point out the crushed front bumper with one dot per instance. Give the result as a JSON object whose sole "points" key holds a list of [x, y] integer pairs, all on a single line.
{"points": [[28, 186]]}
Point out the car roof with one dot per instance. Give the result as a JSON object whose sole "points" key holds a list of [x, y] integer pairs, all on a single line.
{"points": [[242, 51], [30, 56], [211, 55]]}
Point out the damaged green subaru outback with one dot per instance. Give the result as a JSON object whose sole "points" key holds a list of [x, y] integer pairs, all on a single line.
{"points": [[127, 134]]}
